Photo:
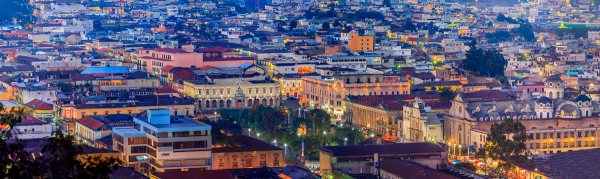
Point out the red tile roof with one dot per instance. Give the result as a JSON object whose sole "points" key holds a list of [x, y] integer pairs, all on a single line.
{"points": [[31, 120], [37, 104], [207, 67], [170, 50], [154, 58], [414, 170], [167, 68], [165, 89], [90, 122], [197, 174], [375, 101]]}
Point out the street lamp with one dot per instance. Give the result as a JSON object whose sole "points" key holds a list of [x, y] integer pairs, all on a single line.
{"points": [[258, 134], [249, 132], [285, 145], [345, 140], [215, 115]]}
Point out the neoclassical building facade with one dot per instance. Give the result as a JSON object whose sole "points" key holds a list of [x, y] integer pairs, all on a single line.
{"points": [[233, 94], [548, 119], [419, 124]]}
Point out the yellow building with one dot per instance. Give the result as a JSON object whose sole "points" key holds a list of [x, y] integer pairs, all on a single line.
{"points": [[232, 93], [39, 109]]}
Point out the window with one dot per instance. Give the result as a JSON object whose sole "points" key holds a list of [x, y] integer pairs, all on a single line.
{"points": [[181, 134], [545, 145], [578, 134], [530, 137], [200, 133], [537, 136], [572, 134], [249, 90], [578, 143], [566, 135], [264, 90], [189, 144], [207, 92], [545, 135], [558, 135], [136, 140], [270, 90], [552, 135], [163, 134], [263, 160], [228, 91], [165, 144], [235, 162], [586, 134], [256, 90], [557, 144], [275, 160], [531, 145], [593, 134], [221, 91], [138, 149]]}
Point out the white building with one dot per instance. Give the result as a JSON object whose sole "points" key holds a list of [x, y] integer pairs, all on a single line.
{"points": [[166, 142]]}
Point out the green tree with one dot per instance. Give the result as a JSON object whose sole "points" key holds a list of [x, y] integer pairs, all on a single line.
{"points": [[445, 94], [337, 23], [225, 132], [325, 26], [319, 120], [293, 24], [484, 63], [505, 142], [60, 157], [409, 25], [346, 134], [387, 3], [490, 24]]}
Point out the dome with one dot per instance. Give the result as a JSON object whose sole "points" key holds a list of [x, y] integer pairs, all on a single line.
{"points": [[544, 100], [554, 78], [582, 98], [568, 109]]}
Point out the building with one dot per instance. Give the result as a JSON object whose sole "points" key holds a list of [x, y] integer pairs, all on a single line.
{"points": [[419, 124], [553, 124], [250, 153], [166, 142], [361, 43], [33, 128], [232, 92], [88, 130], [40, 110], [327, 91], [356, 159], [112, 102], [400, 169]]}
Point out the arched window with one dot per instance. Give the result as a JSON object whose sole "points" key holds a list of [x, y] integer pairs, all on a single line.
{"points": [[540, 114], [548, 115]]}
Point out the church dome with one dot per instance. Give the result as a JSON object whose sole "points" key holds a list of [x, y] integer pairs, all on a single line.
{"points": [[582, 98], [544, 100], [568, 110], [554, 78]]}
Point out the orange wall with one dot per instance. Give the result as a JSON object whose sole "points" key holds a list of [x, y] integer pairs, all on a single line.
{"points": [[361, 43]]}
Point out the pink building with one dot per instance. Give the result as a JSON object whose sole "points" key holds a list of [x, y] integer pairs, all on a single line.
{"points": [[532, 87], [152, 60], [570, 81]]}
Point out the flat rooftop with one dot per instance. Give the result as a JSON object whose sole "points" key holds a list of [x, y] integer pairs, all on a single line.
{"points": [[177, 124]]}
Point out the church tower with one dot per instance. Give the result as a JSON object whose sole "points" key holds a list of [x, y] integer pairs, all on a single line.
{"points": [[554, 87]]}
